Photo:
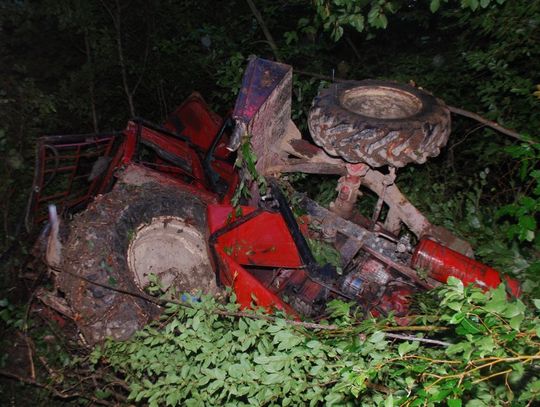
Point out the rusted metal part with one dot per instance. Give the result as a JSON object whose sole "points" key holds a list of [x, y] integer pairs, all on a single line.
{"points": [[348, 250], [301, 165], [348, 190], [65, 172], [347, 228], [401, 210], [270, 144], [388, 180], [427, 283], [379, 123], [392, 223]]}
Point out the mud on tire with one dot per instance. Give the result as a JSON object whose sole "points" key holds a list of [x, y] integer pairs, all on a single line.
{"points": [[97, 250], [379, 123]]}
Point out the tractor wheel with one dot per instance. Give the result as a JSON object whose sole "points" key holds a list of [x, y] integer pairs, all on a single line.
{"points": [[379, 123], [122, 239]]}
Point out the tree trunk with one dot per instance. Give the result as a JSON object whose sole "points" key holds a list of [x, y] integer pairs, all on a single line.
{"points": [[121, 60], [91, 83]]}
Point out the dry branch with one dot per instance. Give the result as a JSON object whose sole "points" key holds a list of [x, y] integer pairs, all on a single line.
{"points": [[489, 123], [265, 29], [243, 314], [53, 390]]}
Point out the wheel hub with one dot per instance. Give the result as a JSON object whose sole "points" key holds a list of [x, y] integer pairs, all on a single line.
{"points": [[171, 249], [381, 102]]}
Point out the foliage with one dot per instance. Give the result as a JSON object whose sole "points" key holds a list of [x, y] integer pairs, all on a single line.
{"points": [[196, 355], [11, 316], [527, 204], [324, 254], [364, 15], [245, 162]]}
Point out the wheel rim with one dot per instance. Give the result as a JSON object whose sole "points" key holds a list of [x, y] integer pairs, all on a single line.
{"points": [[171, 249], [381, 102]]}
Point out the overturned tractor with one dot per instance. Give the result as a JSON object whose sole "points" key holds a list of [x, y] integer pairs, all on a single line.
{"points": [[158, 206]]}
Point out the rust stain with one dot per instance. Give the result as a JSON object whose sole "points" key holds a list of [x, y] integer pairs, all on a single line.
{"points": [[266, 79], [305, 148]]}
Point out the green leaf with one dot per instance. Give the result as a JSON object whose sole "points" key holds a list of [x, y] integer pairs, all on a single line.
{"points": [[287, 340], [103, 394], [406, 347], [527, 222], [456, 306], [471, 327], [516, 321], [333, 398], [456, 284], [274, 378], [377, 337], [434, 5], [454, 403], [457, 318], [497, 303], [172, 398], [513, 309], [196, 322]]}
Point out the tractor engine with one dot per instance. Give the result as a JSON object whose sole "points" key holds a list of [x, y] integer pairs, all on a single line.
{"points": [[376, 288]]}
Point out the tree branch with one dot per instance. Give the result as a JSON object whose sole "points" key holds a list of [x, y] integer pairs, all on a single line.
{"points": [[414, 338], [117, 22], [56, 392], [218, 311], [265, 30], [489, 123], [91, 82]]}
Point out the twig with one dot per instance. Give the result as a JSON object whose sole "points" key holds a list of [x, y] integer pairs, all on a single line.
{"points": [[265, 30], [29, 352], [353, 47], [51, 372], [56, 392], [162, 301], [491, 376], [91, 82], [415, 328], [244, 314], [489, 123], [414, 338], [144, 65]]}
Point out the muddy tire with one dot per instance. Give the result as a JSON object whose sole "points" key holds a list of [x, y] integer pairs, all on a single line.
{"points": [[379, 123], [112, 243]]}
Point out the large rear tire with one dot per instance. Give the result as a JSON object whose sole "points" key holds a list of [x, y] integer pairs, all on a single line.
{"points": [[119, 240], [379, 123]]}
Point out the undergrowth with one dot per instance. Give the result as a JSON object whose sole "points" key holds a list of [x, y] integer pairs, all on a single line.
{"points": [[485, 353]]}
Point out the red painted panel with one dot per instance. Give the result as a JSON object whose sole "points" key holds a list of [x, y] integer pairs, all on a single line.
{"points": [[199, 123], [263, 241], [249, 291]]}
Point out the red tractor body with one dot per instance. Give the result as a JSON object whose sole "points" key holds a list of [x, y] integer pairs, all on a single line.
{"points": [[260, 250]]}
